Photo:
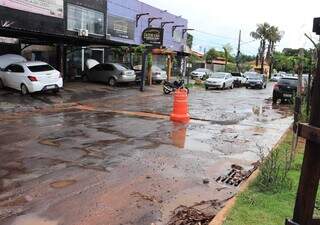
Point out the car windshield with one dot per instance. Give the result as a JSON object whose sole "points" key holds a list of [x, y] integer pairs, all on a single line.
{"points": [[236, 74], [121, 66], [201, 70], [218, 75], [288, 82], [40, 68], [253, 76], [155, 68]]}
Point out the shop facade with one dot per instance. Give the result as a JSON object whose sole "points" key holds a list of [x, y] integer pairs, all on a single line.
{"points": [[65, 33]]}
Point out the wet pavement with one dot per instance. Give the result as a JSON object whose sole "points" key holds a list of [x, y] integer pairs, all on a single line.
{"points": [[109, 156]]}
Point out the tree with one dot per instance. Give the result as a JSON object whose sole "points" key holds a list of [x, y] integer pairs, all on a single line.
{"points": [[211, 55], [227, 50], [189, 40], [262, 34], [274, 36]]}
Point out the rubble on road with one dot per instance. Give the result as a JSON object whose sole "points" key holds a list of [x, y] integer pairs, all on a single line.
{"points": [[237, 175], [146, 197], [199, 214]]}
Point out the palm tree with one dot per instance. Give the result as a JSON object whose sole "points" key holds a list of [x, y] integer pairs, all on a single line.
{"points": [[262, 34], [274, 36], [227, 50]]}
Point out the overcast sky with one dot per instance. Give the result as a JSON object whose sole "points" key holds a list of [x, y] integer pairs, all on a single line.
{"points": [[218, 22]]}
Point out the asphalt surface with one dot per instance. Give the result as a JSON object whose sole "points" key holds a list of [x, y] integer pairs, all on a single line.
{"points": [[93, 155]]}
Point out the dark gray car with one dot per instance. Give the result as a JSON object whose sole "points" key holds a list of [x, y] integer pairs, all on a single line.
{"points": [[111, 73]]}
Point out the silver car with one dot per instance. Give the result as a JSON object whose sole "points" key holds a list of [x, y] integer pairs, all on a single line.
{"points": [[158, 75], [111, 73]]}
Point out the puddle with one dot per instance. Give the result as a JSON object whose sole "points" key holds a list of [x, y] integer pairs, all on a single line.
{"points": [[62, 183], [50, 142], [32, 219]]}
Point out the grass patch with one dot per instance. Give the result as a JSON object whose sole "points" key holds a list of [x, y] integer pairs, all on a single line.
{"points": [[269, 205]]}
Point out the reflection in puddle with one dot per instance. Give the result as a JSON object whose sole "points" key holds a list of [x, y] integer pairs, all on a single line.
{"points": [[33, 220], [178, 135]]}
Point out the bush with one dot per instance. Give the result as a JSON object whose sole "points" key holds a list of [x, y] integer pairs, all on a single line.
{"points": [[273, 175]]}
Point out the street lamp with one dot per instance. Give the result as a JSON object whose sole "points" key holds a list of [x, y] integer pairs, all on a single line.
{"points": [[138, 16], [150, 20], [165, 23], [175, 27], [184, 31]]}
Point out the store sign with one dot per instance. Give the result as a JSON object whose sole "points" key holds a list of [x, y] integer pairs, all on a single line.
{"points": [[153, 36], [52, 8], [316, 25], [121, 27]]}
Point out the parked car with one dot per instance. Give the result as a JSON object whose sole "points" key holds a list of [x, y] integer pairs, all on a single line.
{"points": [[239, 79], [8, 59], [276, 77], [201, 73], [256, 80], [29, 77], [220, 80], [110, 73], [158, 75], [285, 88]]}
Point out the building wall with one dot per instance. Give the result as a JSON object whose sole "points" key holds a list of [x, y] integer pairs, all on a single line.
{"points": [[130, 8]]}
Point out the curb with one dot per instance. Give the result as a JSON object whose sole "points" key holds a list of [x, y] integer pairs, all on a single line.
{"points": [[224, 212]]}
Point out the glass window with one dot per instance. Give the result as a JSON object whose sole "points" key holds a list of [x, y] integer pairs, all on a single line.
{"points": [[289, 82], [108, 67], [40, 68], [218, 75], [121, 66], [84, 18], [15, 69]]}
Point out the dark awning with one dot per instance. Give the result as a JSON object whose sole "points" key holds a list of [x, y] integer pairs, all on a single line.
{"points": [[35, 37]]}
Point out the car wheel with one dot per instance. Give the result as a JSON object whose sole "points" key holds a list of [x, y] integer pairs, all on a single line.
{"points": [[24, 89], [207, 88], [247, 87], [1, 84], [112, 82], [55, 91]]}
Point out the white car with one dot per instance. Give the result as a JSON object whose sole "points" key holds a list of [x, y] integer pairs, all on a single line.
{"points": [[29, 77], [201, 73], [220, 80]]}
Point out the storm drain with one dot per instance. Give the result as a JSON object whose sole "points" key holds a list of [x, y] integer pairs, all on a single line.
{"points": [[236, 175]]}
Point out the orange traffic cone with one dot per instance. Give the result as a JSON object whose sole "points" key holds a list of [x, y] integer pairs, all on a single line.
{"points": [[180, 107]]}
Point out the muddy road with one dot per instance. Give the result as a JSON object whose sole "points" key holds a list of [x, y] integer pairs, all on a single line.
{"points": [[101, 156]]}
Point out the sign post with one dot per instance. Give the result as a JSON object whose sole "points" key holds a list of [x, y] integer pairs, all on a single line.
{"points": [[152, 37]]}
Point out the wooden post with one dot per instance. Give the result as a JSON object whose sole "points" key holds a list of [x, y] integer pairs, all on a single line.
{"points": [[310, 171], [169, 66]]}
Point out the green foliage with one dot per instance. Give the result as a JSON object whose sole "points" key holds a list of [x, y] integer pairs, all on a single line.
{"points": [[231, 67], [273, 172], [268, 208], [211, 54], [139, 49], [288, 60], [149, 60], [189, 40]]}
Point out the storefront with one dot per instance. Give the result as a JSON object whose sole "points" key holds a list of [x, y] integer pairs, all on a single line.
{"points": [[59, 32], [127, 19], [65, 33]]}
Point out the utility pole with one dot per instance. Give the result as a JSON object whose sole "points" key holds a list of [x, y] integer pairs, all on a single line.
{"points": [[238, 52]]}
